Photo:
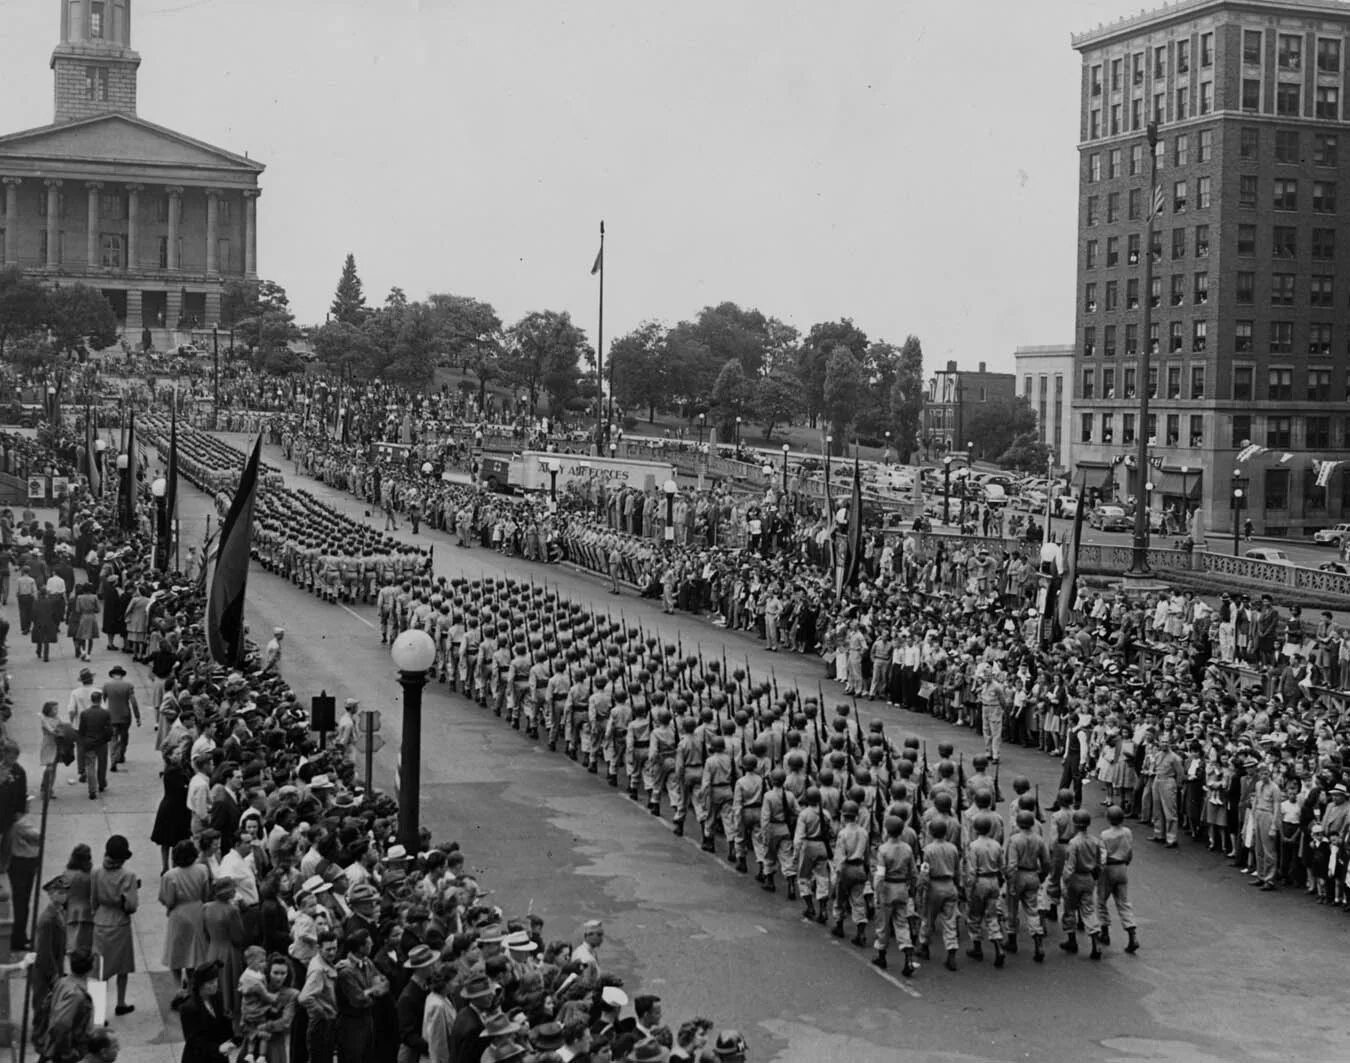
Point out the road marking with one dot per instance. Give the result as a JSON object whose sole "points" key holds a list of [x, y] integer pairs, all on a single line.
{"points": [[358, 616]]}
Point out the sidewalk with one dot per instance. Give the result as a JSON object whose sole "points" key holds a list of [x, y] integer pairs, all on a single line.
{"points": [[150, 1034]]}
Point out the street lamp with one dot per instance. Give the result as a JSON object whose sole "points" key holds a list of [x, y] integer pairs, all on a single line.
{"points": [[738, 431], [1148, 507], [413, 653], [670, 487], [787, 449], [1184, 497], [947, 489], [886, 456], [158, 489], [613, 449], [427, 468], [100, 445], [702, 421], [554, 467], [1139, 548], [829, 446], [1239, 501]]}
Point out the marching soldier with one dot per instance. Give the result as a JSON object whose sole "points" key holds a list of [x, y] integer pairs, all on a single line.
{"points": [[716, 787], [747, 796], [1028, 865], [1114, 882], [850, 868], [984, 884], [942, 861], [1082, 859], [811, 843], [662, 744], [893, 884], [778, 819]]}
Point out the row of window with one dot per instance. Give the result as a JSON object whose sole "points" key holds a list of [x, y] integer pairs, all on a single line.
{"points": [[1289, 52], [1279, 383], [1116, 121], [1288, 150], [1088, 424], [1321, 338], [1284, 244], [114, 206], [1278, 430], [1283, 291], [113, 250], [1284, 197], [1088, 389]]}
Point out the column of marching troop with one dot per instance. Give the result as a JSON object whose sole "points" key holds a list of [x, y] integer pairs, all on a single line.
{"points": [[863, 831]]}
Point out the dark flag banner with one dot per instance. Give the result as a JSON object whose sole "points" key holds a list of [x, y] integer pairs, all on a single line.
{"points": [[128, 477], [91, 453], [225, 609], [171, 494], [1067, 591], [853, 566]]}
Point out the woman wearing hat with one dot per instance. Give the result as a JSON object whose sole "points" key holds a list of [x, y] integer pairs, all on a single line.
{"points": [[115, 891], [84, 621], [225, 940], [208, 1034]]}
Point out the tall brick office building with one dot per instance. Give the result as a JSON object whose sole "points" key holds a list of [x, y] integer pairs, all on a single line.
{"points": [[158, 221], [1250, 294]]}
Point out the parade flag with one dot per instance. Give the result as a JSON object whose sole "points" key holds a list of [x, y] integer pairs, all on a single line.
{"points": [[91, 453], [1324, 471], [225, 610], [1067, 589], [1286, 458], [1251, 450], [171, 494], [1158, 200], [127, 503], [853, 563], [599, 261]]}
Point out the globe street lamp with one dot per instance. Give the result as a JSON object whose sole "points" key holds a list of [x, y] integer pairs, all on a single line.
{"points": [[124, 505], [554, 467], [787, 449], [158, 541], [100, 445], [670, 487], [702, 420], [1185, 469], [947, 489], [1148, 506], [414, 652], [738, 431], [1239, 501]]}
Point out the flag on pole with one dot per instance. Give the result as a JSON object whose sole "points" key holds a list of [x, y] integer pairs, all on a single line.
{"points": [[1286, 458], [171, 494], [1068, 590], [225, 609], [1159, 199], [1251, 450], [853, 561], [599, 261], [128, 500], [91, 452], [1324, 471]]}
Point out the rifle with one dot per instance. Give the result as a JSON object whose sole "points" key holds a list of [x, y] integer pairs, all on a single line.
{"points": [[998, 793], [923, 779], [857, 725], [774, 680]]}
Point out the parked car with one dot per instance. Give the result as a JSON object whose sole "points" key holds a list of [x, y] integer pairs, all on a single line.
{"points": [[1066, 505], [190, 350], [1335, 566], [1270, 554], [1109, 518], [1331, 536]]}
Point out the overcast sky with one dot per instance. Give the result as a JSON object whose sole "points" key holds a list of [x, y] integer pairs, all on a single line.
{"points": [[909, 165]]}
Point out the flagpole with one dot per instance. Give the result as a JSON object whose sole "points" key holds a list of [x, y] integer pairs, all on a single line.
{"points": [[600, 357], [1139, 547]]}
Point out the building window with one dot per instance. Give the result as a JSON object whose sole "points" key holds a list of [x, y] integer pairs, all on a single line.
{"points": [[1324, 244], [1288, 100], [111, 251], [1109, 341], [1137, 68], [96, 83], [1092, 207], [1095, 124], [1026, 385], [1247, 190], [1089, 341], [1244, 284], [1286, 194], [1090, 297], [224, 211], [1112, 207], [163, 252], [96, 21], [1113, 163], [1115, 119], [1112, 294], [1175, 342], [1206, 97], [1201, 291], [1206, 49], [1314, 497], [1249, 142], [1197, 381], [1090, 255], [1096, 80], [1289, 54], [1328, 56], [1173, 429], [1328, 103], [1131, 344], [1285, 243], [1159, 61], [1112, 250], [1181, 151], [1182, 96], [223, 255], [1137, 113], [1156, 249], [1197, 430], [1085, 433], [1279, 431], [1318, 433], [1202, 241], [1286, 146], [1127, 428], [1319, 341], [1251, 47], [1130, 373], [1173, 382], [1324, 149], [1089, 383], [1243, 343], [1280, 384], [1251, 95], [1094, 167], [1319, 384], [1132, 249], [161, 208], [1153, 337], [1277, 481], [1202, 193], [1178, 243], [1132, 294], [1179, 197], [112, 207], [1178, 289], [1183, 57], [1320, 290], [1282, 342], [1246, 240], [1242, 430], [1155, 292], [1108, 428], [1324, 197], [1205, 146], [1136, 204], [1136, 159], [1109, 380]]}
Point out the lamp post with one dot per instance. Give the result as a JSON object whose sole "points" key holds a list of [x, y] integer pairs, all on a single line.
{"points": [[970, 455], [413, 653], [1148, 506], [158, 542], [613, 449], [947, 489], [554, 467], [670, 487], [1184, 497], [1239, 501], [123, 489], [829, 446], [702, 421], [1139, 547], [787, 449], [738, 431], [886, 454], [101, 445], [215, 372]]}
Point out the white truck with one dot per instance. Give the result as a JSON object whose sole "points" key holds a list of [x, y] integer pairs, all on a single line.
{"points": [[530, 471]]}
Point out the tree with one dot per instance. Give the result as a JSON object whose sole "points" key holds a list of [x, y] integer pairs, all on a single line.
{"points": [[23, 305], [778, 399], [349, 350], [906, 398], [543, 355], [691, 367], [842, 389], [731, 397], [994, 425], [260, 314], [349, 302], [1026, 453], [731, 332], [80, 318], [413, 357], [638, 368], [813, 357]]}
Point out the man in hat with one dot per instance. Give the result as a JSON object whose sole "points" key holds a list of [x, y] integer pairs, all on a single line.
{"points": [[1265, 809], [49, 949], [70, 1019], [319, 998], [467, 1040], [80, 699], [592, 937], [95, 732], [119, 698], [411, 1003], [359, 985], [1169, 777]]}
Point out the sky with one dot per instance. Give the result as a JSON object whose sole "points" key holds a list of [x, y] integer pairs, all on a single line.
{"points": [[911, 166]]}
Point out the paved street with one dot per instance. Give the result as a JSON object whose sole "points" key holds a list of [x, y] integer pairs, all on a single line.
{"points": [[1225, 973]]}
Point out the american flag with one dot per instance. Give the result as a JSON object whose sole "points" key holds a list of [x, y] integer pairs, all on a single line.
{"points": [[1158, 200]]}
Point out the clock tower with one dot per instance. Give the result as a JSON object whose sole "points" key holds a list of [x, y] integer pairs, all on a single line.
{"points": [[94, 66]]}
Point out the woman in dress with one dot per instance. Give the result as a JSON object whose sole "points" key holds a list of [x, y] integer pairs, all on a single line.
{"points": [[138, 623], [110, 592], [84, 621], [173, 821], [183, 891], [48, 612], [279, 984], [47, 753], [115, 890], [225, 940], [207, 1030], [80, 906]]}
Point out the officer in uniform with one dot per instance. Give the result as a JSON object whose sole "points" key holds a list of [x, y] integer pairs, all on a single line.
{"points": [[778, 819], [984, 885], [1082, 859], [1114, 882], [1028, 865], [894, 879], [850, 868]]}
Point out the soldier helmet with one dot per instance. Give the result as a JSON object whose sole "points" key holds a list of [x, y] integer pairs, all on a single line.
{"points": [[1064, 798], [749, 762], [1021, 784], [894, 825], [1026, 819], [1082, 817], [983, 798], [1115, 815], [938, 828], [1027, 802], [811, 796], [983, 823], [857, 794], [778, 777], [942, 801], [850, 810]]}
